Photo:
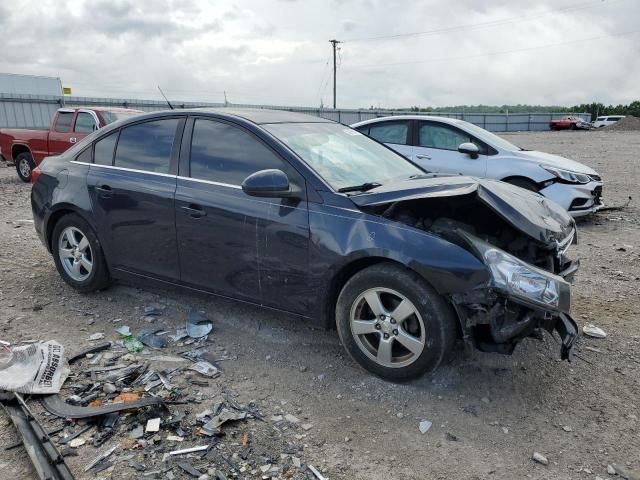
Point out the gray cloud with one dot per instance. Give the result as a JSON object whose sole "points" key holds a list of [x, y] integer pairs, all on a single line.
{"points": [[276, 51]]}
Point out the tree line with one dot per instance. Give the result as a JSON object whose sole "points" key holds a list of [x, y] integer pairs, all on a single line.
{"points": [[596, 109]]}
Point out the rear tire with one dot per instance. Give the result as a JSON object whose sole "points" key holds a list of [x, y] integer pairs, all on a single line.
{"points": [[523, 183], [413, 330], [24, 166], [78, 255]]}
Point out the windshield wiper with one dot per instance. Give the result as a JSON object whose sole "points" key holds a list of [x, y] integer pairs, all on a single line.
{"points": [[360, 188]]}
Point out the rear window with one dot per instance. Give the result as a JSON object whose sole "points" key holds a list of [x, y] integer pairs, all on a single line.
{"points": [[390, 132], [147, 146], [63, 122], [601, 119], [614, 119]]}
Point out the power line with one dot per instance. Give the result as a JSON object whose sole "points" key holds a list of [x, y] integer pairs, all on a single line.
{"points": [[488, 54], [492, 23]]}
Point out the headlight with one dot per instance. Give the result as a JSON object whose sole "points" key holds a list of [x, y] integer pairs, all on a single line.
{"points": [[567, 175], [522, 280]]}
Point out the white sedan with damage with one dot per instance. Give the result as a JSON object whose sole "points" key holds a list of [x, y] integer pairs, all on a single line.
{"points": [[448, 145]]}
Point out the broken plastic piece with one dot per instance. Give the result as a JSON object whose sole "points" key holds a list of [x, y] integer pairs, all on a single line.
{"points": [[92, 349], [189, 450], [205, 368], [315, 471], [148, 337], [198, 325], [592, 331], [56, 406]]}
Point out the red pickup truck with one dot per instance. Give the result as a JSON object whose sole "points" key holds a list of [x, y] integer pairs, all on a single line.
{"points": [[27, 148], [569, 123]]}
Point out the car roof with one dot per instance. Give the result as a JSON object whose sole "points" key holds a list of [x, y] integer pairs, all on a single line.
{"points": [[99, 109], [262, 115], [450, 121]]}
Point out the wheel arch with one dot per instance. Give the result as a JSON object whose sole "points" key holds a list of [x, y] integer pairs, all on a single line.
{"points": [[18, 148], [510, 178], [55, 216]]}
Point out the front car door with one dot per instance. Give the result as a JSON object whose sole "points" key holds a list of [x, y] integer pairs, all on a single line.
{"points": [[230, 243], [436, 149], [132, 184], [61, 133], [393, 133]]}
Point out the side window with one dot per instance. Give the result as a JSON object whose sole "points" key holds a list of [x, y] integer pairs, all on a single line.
{"points": [[84, 123], [364, 130], [103, 150], [227, 154], [442, 137], [147, 146], [390, 132], [63, 122], [84, 156]]}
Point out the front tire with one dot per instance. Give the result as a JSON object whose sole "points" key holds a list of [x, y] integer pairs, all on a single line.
{"points": [[78, 255], [24, 166], [393, 323]]}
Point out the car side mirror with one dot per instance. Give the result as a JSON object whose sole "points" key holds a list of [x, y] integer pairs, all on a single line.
{"points": [[268, 183], [470, 149]]}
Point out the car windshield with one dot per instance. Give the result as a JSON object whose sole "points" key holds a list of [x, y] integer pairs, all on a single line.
{"points": [[110, 117], [490, 138], [342, 156]]}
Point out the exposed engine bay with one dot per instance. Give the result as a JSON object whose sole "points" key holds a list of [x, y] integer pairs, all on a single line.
{"points": [[445, 216]]}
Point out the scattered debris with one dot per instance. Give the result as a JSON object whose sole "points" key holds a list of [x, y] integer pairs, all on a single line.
{"points": [[198, 325], [153, 425], [44, 455], [424, 426], [100, 458], [184, 451], [205, 368], [567, 428], [77, 442], [451, 437], [538, 457], [130, 342], [315, 471], [89, 350], [592, 331], [96, 336], [56, 406], [36, 368], [611, 470], [150, 338]]}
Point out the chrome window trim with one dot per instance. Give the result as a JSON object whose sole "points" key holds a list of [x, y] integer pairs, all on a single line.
{"points": [[124, 169], [211, 182]]}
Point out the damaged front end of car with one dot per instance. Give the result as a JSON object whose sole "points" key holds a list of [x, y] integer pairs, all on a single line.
{"points": [[522, 239]]}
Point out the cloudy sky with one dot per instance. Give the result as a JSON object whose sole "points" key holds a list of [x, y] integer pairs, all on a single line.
{"points": [[395, 53]]}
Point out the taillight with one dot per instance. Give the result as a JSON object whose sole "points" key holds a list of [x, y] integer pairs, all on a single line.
{"points": [[35, 174]]}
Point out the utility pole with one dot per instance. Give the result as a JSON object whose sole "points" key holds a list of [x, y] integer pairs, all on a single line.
{"points": [[334, 44]]}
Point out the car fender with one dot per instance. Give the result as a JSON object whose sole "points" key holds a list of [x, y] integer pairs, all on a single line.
{"points": [[342, 238], [510, 166]]}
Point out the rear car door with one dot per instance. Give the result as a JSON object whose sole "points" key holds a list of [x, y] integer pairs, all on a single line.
{"points": [[132, 184], [393, 133], [61, 133], [436, 150], [230, 243]]}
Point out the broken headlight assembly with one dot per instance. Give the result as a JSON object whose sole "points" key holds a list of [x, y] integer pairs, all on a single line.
{"points": [[521, 280]]}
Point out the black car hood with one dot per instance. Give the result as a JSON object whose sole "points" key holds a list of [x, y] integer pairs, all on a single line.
{"points": [[529, 212]]}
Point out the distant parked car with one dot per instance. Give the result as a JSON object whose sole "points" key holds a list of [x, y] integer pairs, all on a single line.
{"points": [[569, 123], [607, 120], [447, 145], [27, 148]]}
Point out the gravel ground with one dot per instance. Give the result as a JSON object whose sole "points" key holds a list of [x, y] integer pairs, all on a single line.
{"points": [[489, 413]]}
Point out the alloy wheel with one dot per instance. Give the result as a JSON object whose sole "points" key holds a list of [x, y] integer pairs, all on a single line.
{"points": [[76, 256], [25, 168], [387, 327]]}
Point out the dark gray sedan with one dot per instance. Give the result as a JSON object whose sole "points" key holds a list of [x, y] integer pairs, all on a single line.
{"points": [[315, 219]]}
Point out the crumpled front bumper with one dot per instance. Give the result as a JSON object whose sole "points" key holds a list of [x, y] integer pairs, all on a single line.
{"points": [[578, 199], [568, 330]]}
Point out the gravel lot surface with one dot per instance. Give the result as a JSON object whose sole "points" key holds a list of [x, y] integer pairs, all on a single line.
{"points": [[490, 413]]}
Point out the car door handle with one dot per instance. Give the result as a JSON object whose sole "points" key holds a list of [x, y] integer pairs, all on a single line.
{"points": [[104, 191], [422, 156], [194, 211], [73, 139]]}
